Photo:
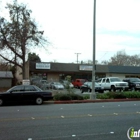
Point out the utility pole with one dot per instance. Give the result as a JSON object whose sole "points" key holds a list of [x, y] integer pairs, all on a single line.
{"points": [[77, 56]]}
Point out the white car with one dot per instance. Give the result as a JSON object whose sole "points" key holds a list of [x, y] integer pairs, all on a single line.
{"points": [[56, 85]]}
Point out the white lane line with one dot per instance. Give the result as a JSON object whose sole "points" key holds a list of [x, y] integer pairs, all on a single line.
{"points": [[32, 118], [29, 138], [62, 117]]}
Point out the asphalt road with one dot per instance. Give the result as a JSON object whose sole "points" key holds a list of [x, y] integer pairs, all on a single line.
{"points": [[89, 121]]}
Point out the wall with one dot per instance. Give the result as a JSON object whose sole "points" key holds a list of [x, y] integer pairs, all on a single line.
{"points": [[121, 76], [52, 77], [5, 83]]}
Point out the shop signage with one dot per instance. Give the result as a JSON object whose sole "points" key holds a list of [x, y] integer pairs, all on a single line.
{"points": [[85, 68], [43, 65]]}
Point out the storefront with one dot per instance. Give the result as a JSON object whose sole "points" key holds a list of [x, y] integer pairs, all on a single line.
{"points": [[58, 71]]}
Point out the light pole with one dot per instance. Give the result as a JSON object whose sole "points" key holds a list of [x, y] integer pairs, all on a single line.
{"points": [[93, 94]]}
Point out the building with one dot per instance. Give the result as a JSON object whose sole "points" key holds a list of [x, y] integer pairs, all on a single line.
{"points": [[6, 79], [58, 71]]}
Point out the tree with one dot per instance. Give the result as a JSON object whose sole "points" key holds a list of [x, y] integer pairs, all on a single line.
{"points": [[18, 34], [122, 59], [33, 57]]}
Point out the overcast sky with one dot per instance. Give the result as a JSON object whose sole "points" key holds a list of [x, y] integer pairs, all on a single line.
{"points": [[68, 25]]}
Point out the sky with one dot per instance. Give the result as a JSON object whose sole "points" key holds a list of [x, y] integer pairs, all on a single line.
{"points": [[68, 26]]}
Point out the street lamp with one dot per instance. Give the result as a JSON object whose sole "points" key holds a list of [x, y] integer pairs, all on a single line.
{"points": [[93, 94]]}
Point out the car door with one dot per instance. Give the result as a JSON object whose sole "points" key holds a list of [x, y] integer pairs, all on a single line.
{"points": [[103, 82], [107, 83], [16, 94], [29, 93]]}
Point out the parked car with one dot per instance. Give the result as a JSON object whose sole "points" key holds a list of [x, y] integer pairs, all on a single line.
{"points": [[56, 85], [87, 87], [133, 83], [78, 82], [67, 84], [43, 84], [24, 93]]}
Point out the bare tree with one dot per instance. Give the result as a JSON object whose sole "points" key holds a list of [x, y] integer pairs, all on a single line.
{"points": [[18, 34], [122, 59]]}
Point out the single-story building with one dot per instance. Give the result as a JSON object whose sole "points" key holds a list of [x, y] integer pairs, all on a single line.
{"points": [[6, 79], [58, 71]]}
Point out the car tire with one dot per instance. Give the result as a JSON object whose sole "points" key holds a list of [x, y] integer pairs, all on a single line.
{"points": [[39, 101], [113, 88], [1, 102]]}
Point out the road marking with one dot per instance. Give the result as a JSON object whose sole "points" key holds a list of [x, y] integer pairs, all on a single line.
{"points": [[32, 118], [29, 138], [111, 132], [73, 135], [102, 106], [62, 117], [118, 105]]}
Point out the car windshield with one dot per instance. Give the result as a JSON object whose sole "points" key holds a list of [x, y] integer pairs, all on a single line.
{"points": [[115, 79], [135, 80]]}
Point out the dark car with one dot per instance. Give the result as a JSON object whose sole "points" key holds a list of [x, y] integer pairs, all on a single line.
{"points": [[25, 93], [133, 83], [87, 87]]}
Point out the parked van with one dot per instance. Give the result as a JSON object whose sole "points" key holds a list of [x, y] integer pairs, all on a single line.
{"points": [[78, 82]]}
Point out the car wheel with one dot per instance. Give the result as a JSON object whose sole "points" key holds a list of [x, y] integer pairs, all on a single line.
{"points": [[39, 101], [113, 88], [1, 102]]}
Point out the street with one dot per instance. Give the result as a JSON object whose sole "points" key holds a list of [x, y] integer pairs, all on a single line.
{"points": [[89, 121]]}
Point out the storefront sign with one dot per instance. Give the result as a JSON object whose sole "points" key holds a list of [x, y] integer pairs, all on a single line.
{"points": [[85, 68], [43, 65]]}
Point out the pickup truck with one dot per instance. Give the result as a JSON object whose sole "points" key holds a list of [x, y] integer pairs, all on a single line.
{"points": [[113, 83]]}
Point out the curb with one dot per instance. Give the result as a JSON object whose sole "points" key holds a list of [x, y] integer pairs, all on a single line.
{"points": [[90, 101]]}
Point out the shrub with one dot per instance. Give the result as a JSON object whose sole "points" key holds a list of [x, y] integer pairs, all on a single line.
{"points": [[61, 96], [87, 96], [64, 96], [102, 96], [131, 94], [76, 97]]}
